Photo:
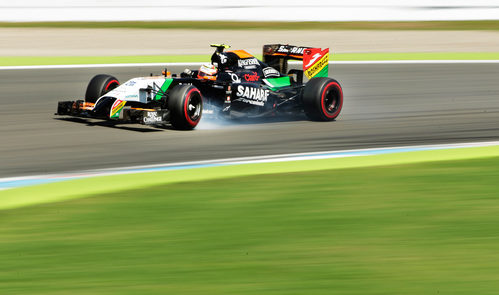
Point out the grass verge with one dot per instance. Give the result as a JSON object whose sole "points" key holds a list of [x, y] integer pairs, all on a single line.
{"points": [[420, 228], [234, 25], [77, 60], [81, 188]]}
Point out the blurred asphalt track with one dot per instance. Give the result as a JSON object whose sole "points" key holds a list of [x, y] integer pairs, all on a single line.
{"points": [[385, 105]]}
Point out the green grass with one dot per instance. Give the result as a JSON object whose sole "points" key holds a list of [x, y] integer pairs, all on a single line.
{"points": [[76, 60], [420, 228], [234, 25], [81, 188]]}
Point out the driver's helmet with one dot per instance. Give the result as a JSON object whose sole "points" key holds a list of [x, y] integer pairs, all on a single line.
{"points": [[223, 60], [219, 59], [207, 72]]}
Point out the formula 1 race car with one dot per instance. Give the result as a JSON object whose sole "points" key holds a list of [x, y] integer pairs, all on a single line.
{"points": [[234, 85]]}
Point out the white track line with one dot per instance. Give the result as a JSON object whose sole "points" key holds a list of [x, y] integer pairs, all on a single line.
{"points": [[368, 62], [13, 182], [180, 64]]}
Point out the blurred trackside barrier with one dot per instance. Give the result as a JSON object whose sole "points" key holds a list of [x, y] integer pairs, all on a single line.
{"points": [[255, 10]]}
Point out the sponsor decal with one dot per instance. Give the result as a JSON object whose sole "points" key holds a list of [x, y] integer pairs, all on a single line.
{"points": [[152, 118], [130, 83], [116, 108], [315, 61], [253, 95], [132, 96], [247, 62], [314, 58], [253, 77], [297, 50], [235, 78], [270, 72], [223, 58]]}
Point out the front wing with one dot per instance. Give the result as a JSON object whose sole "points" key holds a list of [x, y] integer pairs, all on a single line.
{"points": [[128, 114]]}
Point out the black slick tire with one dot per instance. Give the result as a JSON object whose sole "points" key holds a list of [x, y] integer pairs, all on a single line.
{"points": [[322, 99], [186, 106], [100, 85]]}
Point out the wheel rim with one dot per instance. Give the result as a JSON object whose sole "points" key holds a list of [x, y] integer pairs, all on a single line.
{"points": [[194, 107], [331, 100]]}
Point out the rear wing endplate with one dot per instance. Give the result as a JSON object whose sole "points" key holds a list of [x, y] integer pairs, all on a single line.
{"points": [[315, 60]]}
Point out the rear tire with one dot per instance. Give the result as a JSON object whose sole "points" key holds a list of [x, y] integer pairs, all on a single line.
{"points": [[100, 85], [322, 99], [186, 106]]}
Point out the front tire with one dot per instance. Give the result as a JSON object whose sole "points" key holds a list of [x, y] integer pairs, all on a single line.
{"points": [[322, 99], [100, 85], [186, 106]]}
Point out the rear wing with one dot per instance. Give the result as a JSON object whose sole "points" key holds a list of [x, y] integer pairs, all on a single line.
{"points": [[315, 60]]}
